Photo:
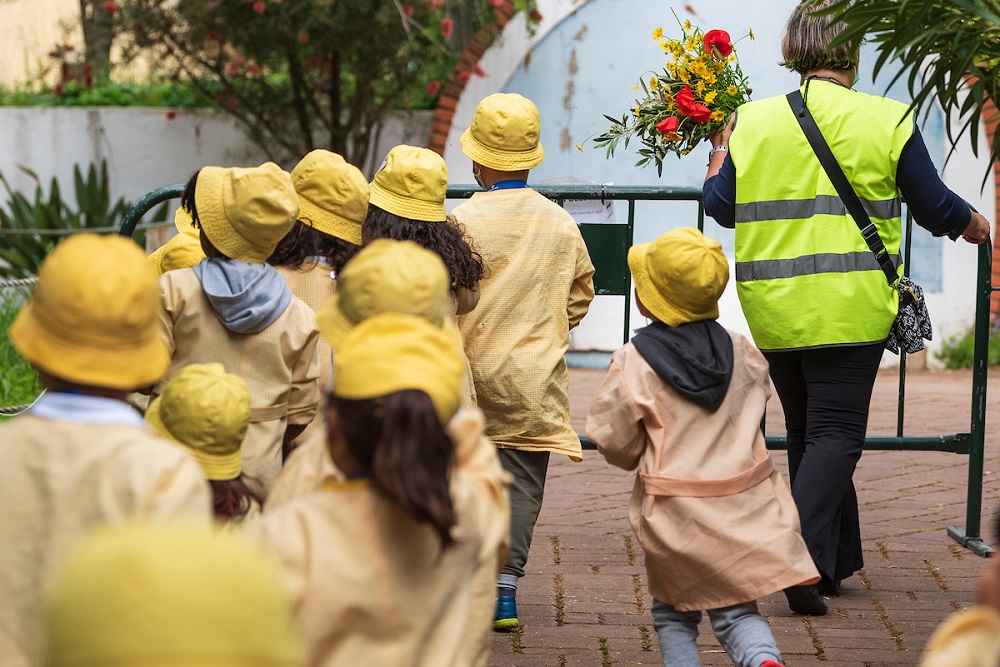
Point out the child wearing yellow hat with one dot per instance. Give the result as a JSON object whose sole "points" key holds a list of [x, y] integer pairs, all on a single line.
{"points": [[407, 204], [207, 410], [380, 563], [538, 288], [385, 276], [81, 456], [168, 595], [333, 201], [683, 402], [183, 250], [234, 309]]}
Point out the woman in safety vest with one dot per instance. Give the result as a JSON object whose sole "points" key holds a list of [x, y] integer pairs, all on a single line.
{"points": [[817, 302]]}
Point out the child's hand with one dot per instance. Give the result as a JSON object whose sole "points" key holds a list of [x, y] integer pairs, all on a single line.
{"points": [[989, 584]]}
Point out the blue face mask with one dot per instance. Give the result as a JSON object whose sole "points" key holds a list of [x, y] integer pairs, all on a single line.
{"points": [[857, 77]]}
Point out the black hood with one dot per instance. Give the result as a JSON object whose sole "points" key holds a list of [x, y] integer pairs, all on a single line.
{"points": [[696, 358]]}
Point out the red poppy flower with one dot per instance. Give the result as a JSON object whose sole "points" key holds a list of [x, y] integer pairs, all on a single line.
{"points": [[685, 102], [259, 7], [433, 88], [668, 125], [447, 26], [718, 40]]}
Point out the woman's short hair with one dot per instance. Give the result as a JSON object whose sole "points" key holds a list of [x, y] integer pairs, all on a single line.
{"points": [[807, 37]]}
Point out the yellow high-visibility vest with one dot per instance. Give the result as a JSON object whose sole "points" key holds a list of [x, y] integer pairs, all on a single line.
{"points": [[804, 274]]}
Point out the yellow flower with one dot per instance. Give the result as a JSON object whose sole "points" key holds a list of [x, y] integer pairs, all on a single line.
{"points": [[665, 46], [732, 90], [637, 88], [685, 151], [687, 25], [699, 87], [717, 116], [635, 110], [718, 67], [670, 104], [658, 34], [710, 78], [751, 34], [672, 136], [579, 148], [683, 75], [653, 83], [710, 96]]}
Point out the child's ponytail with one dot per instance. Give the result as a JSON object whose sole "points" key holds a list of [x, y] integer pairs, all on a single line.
{"points": [[401, 439]]}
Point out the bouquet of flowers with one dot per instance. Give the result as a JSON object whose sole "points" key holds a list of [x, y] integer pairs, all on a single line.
{"points": [[701, 85]]}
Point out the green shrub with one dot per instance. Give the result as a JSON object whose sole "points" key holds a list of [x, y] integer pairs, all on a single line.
{"points": [[957, 351], [105, 93], [30, 228], [19, 383]]}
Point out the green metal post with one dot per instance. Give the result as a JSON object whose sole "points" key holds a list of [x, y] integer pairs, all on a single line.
{"points": [[971, 537], [628, 280], [901, 403]]}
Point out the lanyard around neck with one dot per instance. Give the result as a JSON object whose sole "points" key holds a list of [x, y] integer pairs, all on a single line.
{"points": [[507, 185]]}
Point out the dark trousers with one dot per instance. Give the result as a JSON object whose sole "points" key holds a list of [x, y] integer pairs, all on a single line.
{"points": [[528, 470], [825, 394]]}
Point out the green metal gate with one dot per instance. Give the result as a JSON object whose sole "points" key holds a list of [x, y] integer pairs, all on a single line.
{"points": [[608, 245]]}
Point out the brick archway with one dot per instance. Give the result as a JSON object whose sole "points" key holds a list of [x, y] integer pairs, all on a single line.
{"points": [[467, 66]]}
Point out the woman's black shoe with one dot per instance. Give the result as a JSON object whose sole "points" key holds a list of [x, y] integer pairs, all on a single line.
{"points": [[805, 600], [829, 588]]}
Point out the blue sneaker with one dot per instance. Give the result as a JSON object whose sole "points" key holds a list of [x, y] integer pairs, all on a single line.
{"points": [[506, 616]]}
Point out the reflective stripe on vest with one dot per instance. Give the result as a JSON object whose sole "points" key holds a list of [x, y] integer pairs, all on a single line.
{"points": [[791, 209], [772, 269], [805, 276]]}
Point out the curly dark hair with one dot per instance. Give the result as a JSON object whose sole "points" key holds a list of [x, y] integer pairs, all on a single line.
{"points": [[305, 241], [187, 199], [448, 239]]}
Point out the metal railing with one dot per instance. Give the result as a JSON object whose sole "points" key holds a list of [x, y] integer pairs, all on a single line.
{"points": [[608, 244]]}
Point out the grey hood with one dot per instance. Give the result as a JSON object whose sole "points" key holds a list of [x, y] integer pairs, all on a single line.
{"points": [[696, 358], [246, 297]]}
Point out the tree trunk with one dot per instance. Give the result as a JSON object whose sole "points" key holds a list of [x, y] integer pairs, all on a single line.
{"points": [[98, 31]]}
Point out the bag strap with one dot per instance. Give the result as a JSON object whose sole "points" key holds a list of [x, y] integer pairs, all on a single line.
{"points": [[842, 185]]}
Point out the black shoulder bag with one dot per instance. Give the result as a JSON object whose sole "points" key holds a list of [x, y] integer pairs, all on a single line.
{"points": [[913, 322]]}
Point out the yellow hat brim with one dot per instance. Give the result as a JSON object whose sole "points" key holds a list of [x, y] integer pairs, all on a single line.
{"points": [[499, 159], [405, 207], [330, 223], [332, 323], [651, 297], [214, 467], [155, 257], [121, 365], [214, 222]]}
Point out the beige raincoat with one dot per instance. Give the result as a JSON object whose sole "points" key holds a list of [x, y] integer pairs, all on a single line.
{"points": [[714, 517]]}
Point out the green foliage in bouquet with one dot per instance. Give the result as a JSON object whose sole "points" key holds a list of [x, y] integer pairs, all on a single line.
{"points": [[700, 86]]}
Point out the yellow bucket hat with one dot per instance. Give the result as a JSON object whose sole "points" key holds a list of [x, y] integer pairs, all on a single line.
{"points": [[245, 212], [391, 352], [95, 315], [386, 276], [504, 134], [180, 252], [206, 410], [413, 183], [168, 594], [680, 276], [333, 194]]}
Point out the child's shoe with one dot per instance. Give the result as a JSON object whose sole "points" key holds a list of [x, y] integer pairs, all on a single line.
{"points": [[506, 616], [771, 663]]}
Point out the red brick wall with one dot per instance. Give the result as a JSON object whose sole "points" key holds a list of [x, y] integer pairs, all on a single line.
{"points": [[467, 67]]}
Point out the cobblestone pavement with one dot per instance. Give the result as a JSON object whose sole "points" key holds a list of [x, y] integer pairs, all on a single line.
{"points": [[584, 600]]}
